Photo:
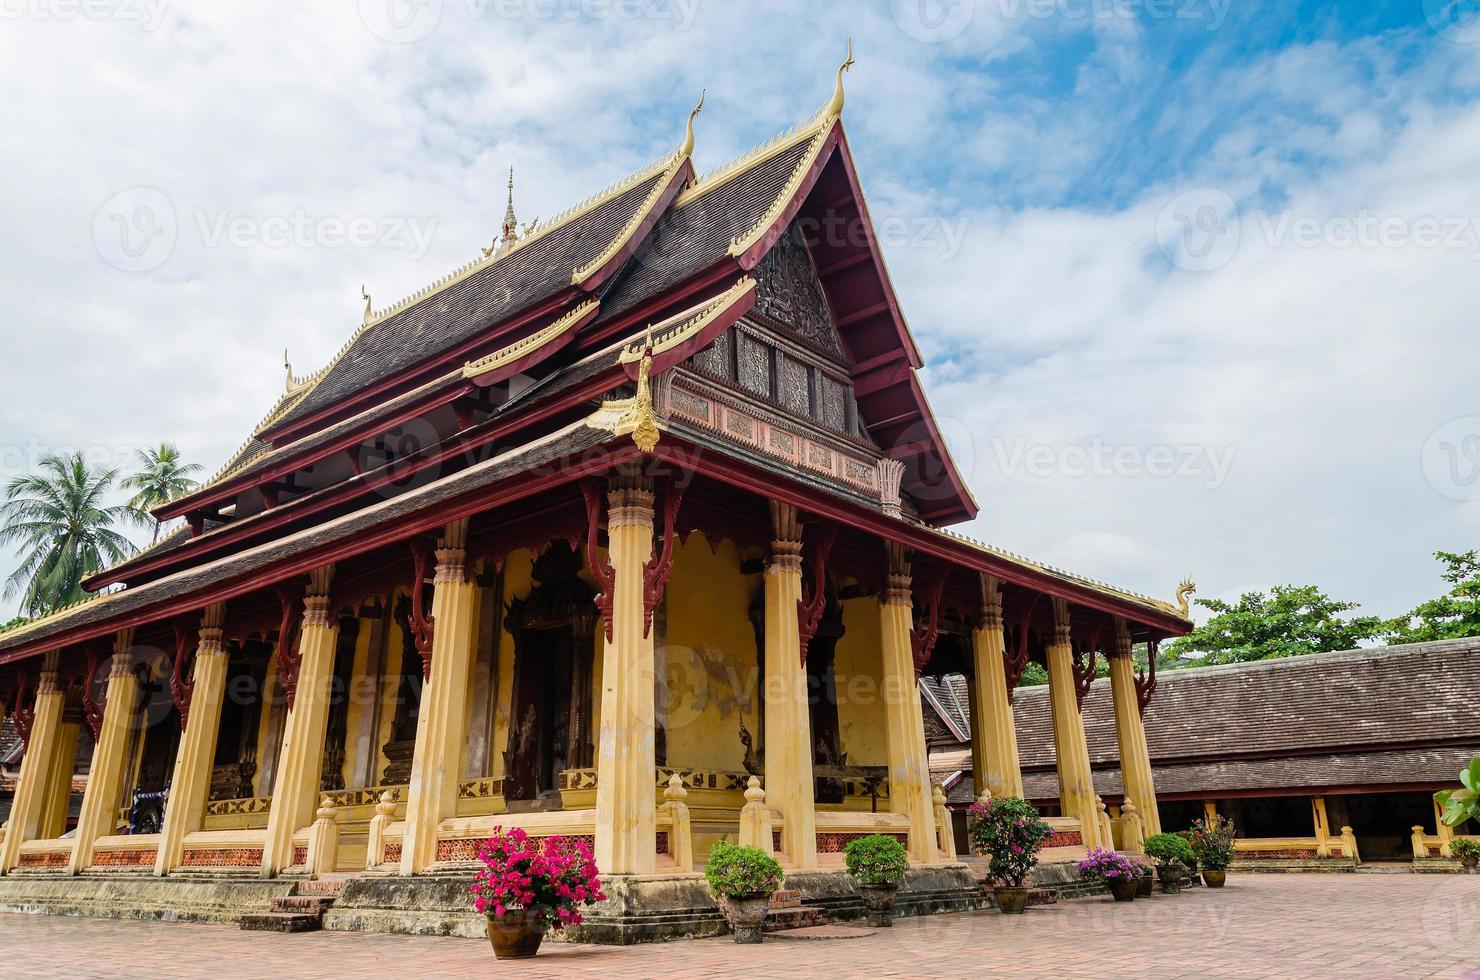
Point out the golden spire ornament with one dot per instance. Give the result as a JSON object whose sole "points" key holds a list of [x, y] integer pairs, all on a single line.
{"points": [[688, 137], [835, 107]]}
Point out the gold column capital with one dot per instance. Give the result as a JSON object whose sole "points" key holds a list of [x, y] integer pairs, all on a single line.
{"points": [[1121, 647], [122, 665], [1060, 621], [897, 590], [991, 602], [629, 502]]}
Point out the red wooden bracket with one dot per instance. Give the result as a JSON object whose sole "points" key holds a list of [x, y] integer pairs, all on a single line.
{"points": [[656, 569], [92, 706], [290, 657], [922, 638], [1015, 661], [1146, 679], [601, 569], [25, 716], [814, 600], [423, 625], [182, 684]]}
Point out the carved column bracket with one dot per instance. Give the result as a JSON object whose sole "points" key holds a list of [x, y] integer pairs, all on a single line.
{"points": [[93, 706], [182, 682], [24, 714], [1015, 654], [423, 625], [1084, 668], [288, 657], [814, 598], [924, 635], [601, 567], [1146, 679], [657, 568]]}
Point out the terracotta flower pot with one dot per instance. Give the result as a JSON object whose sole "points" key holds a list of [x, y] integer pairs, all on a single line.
{"points": [[1170, 876], [515, 935], [1124, 889], [1214, 879], [879, 901], [747, 914], [1143, 886], [1012, 901], [1470, 861]]}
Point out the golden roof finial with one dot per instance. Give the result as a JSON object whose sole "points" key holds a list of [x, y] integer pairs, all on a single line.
{"points": [[688, 137], [369, 311], [288, 367], [835, 107]]}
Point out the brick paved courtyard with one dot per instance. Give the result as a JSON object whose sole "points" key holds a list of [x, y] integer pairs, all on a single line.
{"points": [[1348, 926]]}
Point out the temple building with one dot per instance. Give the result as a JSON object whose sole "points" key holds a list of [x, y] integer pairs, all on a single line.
{"points": [[633, 528], [1325, 761]]}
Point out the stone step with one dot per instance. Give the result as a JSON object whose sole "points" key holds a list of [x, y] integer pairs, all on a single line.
{"points": [[1043, 896], [306, 904], [782, 920], [281, 922], [324, 887], [825, 932], [786, 898]]}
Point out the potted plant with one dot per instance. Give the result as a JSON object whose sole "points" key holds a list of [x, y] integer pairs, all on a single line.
{"points": [[878, 863], [1171, 854], [1189, 864], [527, 886], [1466, 851], [742, 879], [1212, 842], [1143, 879], [1009, 831], [1115, 870]]}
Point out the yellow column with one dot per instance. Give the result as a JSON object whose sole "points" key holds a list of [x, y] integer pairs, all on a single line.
{"points": [[53, 823], [626, 762], [909, 766], [1210, 810], [30, 792], [789, 785], [441, 724], [1322, 826], [1076, 786], [1135, 758], [993, 735], [185, 810], [99, 814], [300, 764]]}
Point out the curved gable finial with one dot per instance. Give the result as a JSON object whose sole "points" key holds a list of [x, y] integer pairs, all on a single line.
{"points": [[688, 137], [835, 107]]}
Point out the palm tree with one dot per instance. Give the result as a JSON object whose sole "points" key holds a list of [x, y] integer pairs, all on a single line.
{"points": [[64, 530], [161, 478]]}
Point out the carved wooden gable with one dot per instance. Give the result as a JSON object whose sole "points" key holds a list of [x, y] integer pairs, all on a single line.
{"points": [[788, 293]]}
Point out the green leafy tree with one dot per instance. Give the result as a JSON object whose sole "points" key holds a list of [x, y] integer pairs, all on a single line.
{"points": [[1287, 621], [161, 477], [1451, 616], [64, 529]]}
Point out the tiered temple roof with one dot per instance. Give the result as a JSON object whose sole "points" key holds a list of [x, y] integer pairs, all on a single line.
{"points": [[443, 401]]}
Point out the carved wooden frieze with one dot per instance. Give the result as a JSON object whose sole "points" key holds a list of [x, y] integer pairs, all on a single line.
{"points": [[701, 403]]}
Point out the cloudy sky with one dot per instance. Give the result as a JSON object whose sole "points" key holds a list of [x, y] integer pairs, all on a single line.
{"points": [[1196, 281]]}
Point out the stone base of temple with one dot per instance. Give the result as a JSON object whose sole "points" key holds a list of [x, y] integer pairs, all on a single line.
{"points": [[131, 896], [1437, 866], [1280, 865], [1063, 877], [637, 910]]}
